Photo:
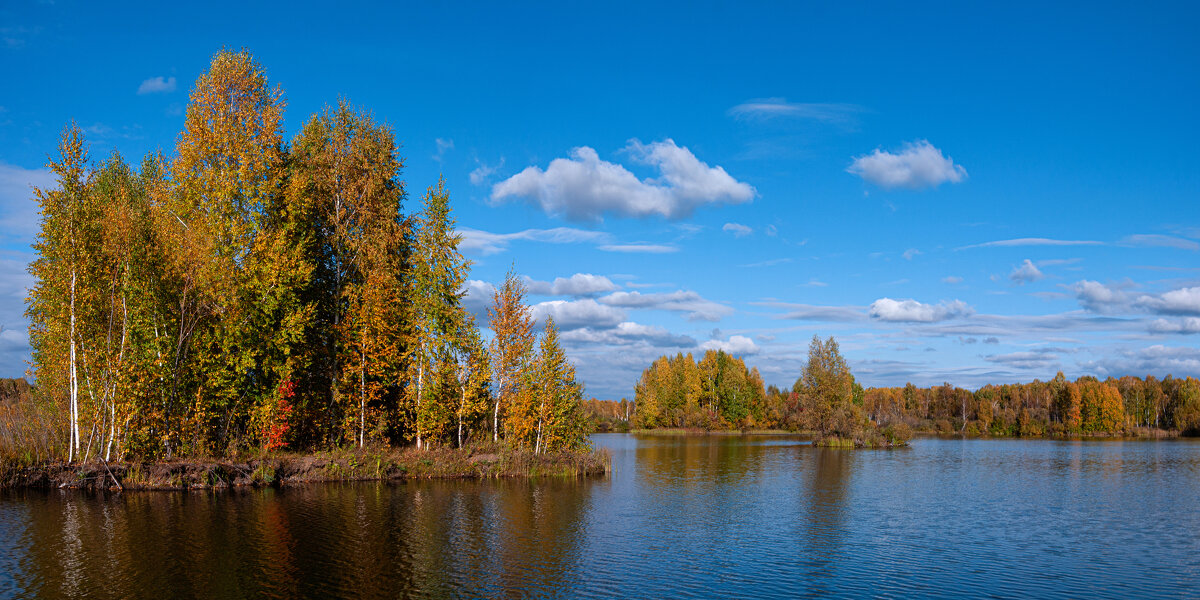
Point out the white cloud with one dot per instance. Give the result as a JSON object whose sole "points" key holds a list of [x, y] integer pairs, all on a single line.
{"points": [[952, 279], [585, 188], [484, 172], [628, 333], [479, 297], [1163, 241], [910, 253], [443, 146], [737, 345], [771, 230], [761, 109], [1155, 360], [1026, 272], [918, 165], [157, 85], [1032, 242], [19, 220], [1037, 359], [1183, 301], [1100, 298], [694, 307], [887, 309], [640, 248], [579, 284], [737, 229], [486, 242], [1186, 325], [576, 314]]}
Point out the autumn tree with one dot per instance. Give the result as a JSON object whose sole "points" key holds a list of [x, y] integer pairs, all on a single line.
{"points": [[511, 347], [558, 397], [436, 317], [828, 388], [345, 182]]}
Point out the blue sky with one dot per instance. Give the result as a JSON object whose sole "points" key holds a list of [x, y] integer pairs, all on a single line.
{"points": [[957, 193]]}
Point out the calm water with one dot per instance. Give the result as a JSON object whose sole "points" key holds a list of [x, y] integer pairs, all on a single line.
{"points": [[680, 517]]}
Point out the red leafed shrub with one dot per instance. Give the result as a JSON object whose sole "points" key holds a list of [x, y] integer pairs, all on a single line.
{"points": [[279, 425]]}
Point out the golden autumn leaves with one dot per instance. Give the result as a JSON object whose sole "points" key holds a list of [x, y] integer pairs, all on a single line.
{"points": [[246, 293]]}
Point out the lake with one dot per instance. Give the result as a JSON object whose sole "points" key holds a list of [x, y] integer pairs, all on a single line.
{"points": [[724, 516]]}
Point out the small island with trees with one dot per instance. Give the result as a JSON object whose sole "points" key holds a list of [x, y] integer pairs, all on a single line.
{"points": [[254, 311]]}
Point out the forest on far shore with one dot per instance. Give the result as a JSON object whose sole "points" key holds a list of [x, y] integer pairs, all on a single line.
{"points": [[718, 392]]}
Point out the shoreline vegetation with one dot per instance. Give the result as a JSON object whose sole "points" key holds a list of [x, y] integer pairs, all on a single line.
{"points": [[485, 461], [717, 393], [247, 296]]}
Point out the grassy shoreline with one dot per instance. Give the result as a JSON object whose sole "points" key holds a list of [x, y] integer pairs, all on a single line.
{"points": [[286, 469]]}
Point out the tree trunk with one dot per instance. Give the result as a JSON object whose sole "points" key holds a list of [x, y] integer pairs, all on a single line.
{"points": [[74, 382]]}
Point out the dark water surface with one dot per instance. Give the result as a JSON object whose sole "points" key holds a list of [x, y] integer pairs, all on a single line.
{"points": [[680, 517]]}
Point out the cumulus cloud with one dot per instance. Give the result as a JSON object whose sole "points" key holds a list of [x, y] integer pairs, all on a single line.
{"points": [[1100, 298], [1026, 272], [479, 296], [737, 345], [157, 85], [1187, 325], [1183, 301], [579, 284], [486, 242], [692, 305], [576, 314], [737, 229], [585, 188], [887, 309], [919, 165]]}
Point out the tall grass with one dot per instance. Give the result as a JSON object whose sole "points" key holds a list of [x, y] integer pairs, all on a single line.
{"points": [[31, 431]]}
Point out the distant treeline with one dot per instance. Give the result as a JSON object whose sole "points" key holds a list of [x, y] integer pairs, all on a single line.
{"points": [[719, 392], [1054, 407], [251, 294]]}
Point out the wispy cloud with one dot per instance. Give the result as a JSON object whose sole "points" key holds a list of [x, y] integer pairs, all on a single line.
{"points": [[1031, 242], [443, 146], [1157, 240], [769, 263], [157, 85], [482, 173], [640, 248], [737, 229], [585, 188], [762, 109], [918, 165], [911, 253], [691, 304], [486, 242]]}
